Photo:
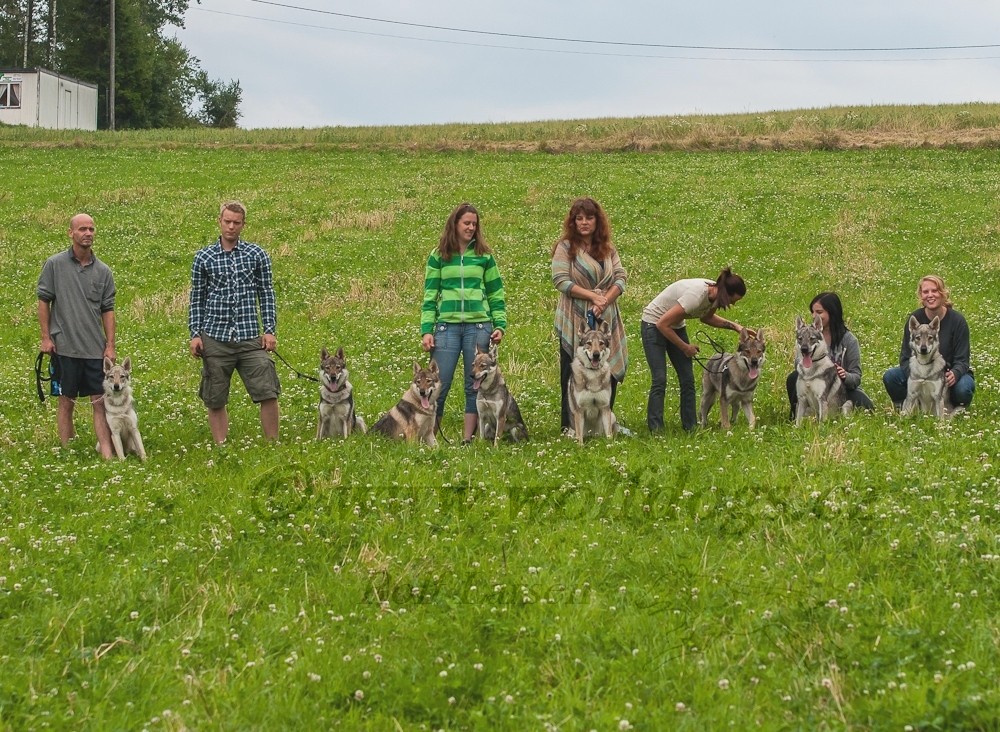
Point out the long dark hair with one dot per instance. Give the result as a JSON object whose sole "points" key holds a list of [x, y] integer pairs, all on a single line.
{"points": [[726, 287], [831, 303], [601, 245], [449, 245]]}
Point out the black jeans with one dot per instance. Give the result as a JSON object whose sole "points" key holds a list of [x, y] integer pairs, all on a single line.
{"points": [[657, 349], [565, 371], [856, 396]]}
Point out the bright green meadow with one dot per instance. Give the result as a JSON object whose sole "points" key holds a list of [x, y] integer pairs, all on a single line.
{"points": [[842, 576]]}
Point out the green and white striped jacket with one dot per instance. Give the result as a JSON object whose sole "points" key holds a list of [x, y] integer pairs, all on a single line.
{"points": [[468, 289]]}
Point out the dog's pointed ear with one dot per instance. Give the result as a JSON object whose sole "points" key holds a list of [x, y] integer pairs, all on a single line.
{"points": [[493, 351], [817, 322], [799, 322], [417, 366], [760, 335], [744, 335], [323, 355], [127, 365], [936, 324], [913, 324], [584, 327], [340, 353], [605, 327], [479, 351], [108, 364], [433, 367]]}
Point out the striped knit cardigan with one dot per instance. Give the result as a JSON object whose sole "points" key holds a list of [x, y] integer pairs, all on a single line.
{"points": [[588, 273], [467, 289]]}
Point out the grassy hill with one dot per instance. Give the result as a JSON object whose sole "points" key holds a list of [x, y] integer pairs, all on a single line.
{"points": [[835, 576], [963, 126]]}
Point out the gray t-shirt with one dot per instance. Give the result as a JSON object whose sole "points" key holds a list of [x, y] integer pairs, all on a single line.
{"points": [[691, 295], [77, 296]]}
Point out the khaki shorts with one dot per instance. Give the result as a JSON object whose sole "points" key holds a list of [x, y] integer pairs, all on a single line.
{"points": [[255, 368]]}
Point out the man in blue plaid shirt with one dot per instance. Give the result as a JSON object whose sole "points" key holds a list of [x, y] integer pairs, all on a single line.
{"points": [[229, 280]]}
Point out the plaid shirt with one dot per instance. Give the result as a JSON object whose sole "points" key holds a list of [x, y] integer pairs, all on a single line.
{"points": [[225, 290]]}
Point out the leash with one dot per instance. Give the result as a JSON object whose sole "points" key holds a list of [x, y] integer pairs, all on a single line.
{"points": [[718, 347], [54, 376], [298, 374]]}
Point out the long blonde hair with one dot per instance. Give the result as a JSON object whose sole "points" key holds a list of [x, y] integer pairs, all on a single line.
{"points": [[939, 283]]}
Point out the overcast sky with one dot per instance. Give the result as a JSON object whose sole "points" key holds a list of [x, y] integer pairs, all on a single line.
{"points": [[299, 73]]}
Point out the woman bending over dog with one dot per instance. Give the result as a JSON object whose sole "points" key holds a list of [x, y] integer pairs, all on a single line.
{"points": [[463, 305], [589, 276], [843, 348], [664, 334]]}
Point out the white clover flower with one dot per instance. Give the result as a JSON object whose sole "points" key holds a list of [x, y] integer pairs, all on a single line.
{"points": [[134, 615], [724, 684], [679, 707], [359, 695]]}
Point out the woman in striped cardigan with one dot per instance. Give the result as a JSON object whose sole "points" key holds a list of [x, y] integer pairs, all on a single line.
{"points": [[463, 305], [589, 276]]}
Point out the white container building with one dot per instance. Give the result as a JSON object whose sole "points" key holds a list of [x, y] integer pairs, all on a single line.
{"points": [[43, 98]]}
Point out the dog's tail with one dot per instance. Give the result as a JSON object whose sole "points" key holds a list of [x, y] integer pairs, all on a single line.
{"points": [[359, 424]]}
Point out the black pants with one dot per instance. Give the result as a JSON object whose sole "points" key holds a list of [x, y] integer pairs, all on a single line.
{"points": [[856, 396], [565, 371], [657, 349]]}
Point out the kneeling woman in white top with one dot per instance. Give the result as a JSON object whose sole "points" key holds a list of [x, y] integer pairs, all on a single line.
{"points": [[664, 334]]}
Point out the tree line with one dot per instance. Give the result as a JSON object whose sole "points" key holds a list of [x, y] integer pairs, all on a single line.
{"points": [[158, 83]]}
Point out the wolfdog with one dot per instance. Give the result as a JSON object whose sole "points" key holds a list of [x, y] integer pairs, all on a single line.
{"points": [[589, 389], [120, 410], [926, 386], [733, 377], [498, 411], [413, 417], [820, 389], [336, 398]]}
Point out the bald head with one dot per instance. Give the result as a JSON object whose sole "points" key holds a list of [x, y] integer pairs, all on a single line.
{"points": [[81, 231], [79, 219]]}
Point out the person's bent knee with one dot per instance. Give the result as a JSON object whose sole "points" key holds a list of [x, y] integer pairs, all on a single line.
{"points": [[894, 381], [963, 391]]}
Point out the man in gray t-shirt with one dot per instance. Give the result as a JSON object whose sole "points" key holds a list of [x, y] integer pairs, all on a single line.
{"points": [[76, 313]]}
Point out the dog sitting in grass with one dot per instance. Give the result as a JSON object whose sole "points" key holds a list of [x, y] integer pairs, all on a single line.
{"points": [[497, 408], [820, 390], [733, 378], [336, 398], [926, 388], [414, 416], [120, 410], [589, 390]]}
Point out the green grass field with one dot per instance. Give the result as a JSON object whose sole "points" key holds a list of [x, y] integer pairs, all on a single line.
{"points": [[833, 577]]}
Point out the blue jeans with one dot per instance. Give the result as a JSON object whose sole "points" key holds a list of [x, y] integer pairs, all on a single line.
{"points": [[452, 340], [960, 394]]}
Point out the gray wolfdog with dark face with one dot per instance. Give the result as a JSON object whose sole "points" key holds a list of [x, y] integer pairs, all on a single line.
{"points": [[733, 377], [413, 417], [336, 398], [498, 411], [589, 390], [820, 390], [926, 387]]}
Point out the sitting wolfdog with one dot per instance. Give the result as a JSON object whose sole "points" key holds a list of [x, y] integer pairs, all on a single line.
{"points": [[589, 389], [413, 417], [120, 410], [820, 389], [926, 388], [498, 411], [733, 376], [336, 398]]}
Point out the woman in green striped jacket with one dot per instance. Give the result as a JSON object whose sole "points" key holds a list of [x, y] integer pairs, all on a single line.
{"points": [[463, 305]]}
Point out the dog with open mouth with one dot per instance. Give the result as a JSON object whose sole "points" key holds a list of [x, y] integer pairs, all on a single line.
{"points": [[733, 378], [336, 398], [821, 392], [414, 416]]}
